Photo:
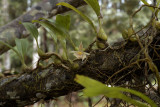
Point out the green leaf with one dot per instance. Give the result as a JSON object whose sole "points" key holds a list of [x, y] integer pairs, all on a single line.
{"points": [[22, 46], [9, 46], [94, 88], [146, 3], [31, 29], [63, 21], [51, 28], [79, 12], [95, 6], [58, 30]]}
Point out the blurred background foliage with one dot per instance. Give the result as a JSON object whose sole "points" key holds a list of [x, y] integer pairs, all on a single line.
{"points": [[115, 13]]}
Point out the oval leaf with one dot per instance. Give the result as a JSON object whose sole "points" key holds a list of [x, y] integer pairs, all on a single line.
{"points": [[95, 6], [63, 21], [31, 29], [50, 28], [79, 12], [22, 46]]}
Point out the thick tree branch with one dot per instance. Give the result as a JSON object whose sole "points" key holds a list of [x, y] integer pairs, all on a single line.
{"points": [[45, 9], [57, 81]]}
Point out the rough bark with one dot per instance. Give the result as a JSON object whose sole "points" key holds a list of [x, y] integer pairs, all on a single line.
{"points": [[45, 9]]}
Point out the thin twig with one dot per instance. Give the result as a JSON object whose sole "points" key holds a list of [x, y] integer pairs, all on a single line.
{"points": [[124, 68], [98, 101]]}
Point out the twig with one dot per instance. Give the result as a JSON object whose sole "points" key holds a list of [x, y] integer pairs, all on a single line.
{"points": [[126, 67], [98, 101]]}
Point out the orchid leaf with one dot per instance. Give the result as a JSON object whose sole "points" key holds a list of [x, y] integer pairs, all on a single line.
{"points": [[95, 6], [22, 46], [32, 29], [63, 21], [79, 12], [94, 88]]}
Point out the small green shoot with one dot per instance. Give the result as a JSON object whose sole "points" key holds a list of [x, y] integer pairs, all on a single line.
{"points": [[22, 46], [20, 50]]}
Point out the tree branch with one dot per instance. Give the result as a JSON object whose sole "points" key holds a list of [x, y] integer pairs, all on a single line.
{"points": [[57, 81]]}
